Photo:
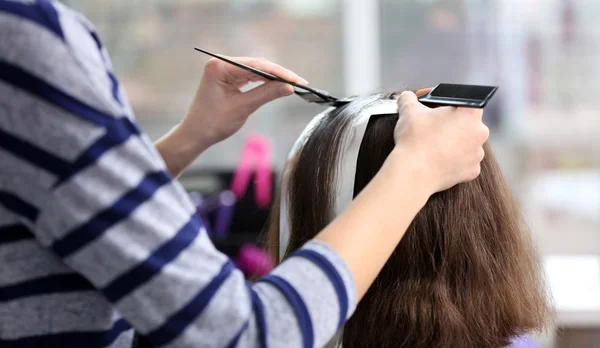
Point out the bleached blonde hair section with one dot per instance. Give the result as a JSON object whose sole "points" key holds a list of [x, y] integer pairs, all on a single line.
{"points": [[346, 160]]}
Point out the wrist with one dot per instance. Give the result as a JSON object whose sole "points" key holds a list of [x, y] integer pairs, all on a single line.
{"points": [[179, 148], [188, 141]]}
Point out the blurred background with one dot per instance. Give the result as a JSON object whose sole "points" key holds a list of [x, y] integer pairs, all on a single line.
{"points": [[544, 55]]}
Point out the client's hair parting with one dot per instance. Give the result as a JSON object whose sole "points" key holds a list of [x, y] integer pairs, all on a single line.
{"points": [[466, 273]]}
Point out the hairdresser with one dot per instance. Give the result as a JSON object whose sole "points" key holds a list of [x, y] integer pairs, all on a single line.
{"points": [[97, 239]]}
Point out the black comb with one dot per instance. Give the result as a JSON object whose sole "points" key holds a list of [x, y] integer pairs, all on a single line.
{"points": [[311, 95]]}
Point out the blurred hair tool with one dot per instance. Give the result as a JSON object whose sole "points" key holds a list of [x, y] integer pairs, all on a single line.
{"points": [[309, 94], [221, 207]]}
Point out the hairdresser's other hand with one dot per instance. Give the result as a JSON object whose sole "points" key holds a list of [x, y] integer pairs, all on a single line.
{"points": [[446, 143], [220, 109]]}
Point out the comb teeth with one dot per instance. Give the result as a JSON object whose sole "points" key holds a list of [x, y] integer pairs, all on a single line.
{"points": [[325, 93], [309, 97], [315, 98]]}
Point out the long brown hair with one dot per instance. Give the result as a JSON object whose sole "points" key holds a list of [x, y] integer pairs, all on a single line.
{"points": [[466, 273]]}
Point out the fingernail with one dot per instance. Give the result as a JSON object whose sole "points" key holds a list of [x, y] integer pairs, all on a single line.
{"points": [[302, 81], [286, 90]]}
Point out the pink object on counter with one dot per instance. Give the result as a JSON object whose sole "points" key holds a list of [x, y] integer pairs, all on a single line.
{"points": [[256, 156], [254, 261]]}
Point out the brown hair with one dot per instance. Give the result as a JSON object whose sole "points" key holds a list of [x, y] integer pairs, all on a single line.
{"points": [[465, 274]]}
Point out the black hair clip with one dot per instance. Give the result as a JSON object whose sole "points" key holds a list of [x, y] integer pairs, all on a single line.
{"points": [[309, 94]]}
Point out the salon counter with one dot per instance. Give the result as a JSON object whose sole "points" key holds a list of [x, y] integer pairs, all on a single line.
{"points": [[574, 281]]}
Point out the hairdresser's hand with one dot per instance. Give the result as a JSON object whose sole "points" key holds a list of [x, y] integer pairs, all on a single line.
{"points": [[446, 143], [220, 109]]}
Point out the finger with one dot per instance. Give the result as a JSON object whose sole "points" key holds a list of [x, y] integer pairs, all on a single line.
{"points": [[472, 112], [264, 65], [479, 113], [480, 155], [423, 91], [484, 134], [252, 79], [253, 99], [257, 78], [406, 99]]}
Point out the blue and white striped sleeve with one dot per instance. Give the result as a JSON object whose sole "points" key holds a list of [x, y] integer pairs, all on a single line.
{"points": [[77, 170]]}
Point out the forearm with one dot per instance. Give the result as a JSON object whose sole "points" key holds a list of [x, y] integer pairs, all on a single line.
{"points": [[367, 233], [141, 245], [179, 149]]}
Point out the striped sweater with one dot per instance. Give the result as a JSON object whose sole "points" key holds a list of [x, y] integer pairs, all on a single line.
{"points": [[97, 239]]}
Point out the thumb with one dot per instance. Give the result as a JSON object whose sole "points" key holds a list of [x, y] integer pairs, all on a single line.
{"points": [[407, 98], [267, 92]]}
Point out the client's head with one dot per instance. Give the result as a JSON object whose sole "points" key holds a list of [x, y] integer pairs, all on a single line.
{"points": [[465, 274]]}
